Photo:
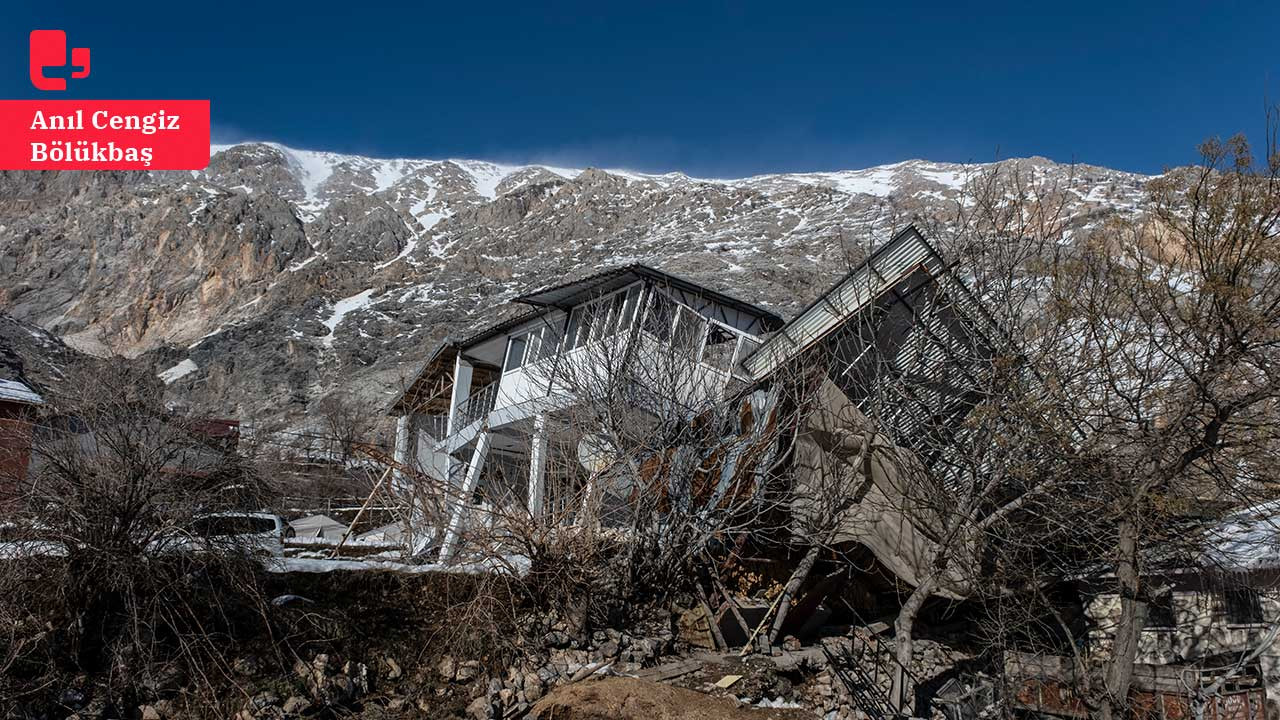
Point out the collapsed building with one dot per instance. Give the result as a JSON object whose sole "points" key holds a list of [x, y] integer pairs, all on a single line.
{"points": [[484, 420], [484, 404]]}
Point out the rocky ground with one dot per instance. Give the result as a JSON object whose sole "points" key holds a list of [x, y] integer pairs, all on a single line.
{"points": [[385, 646], [277, 276]]}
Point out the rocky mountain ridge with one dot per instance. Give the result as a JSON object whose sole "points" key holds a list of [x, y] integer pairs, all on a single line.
{"points": [[278, 276]]}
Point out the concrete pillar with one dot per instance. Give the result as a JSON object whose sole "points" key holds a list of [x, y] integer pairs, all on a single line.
{"points": [[404, 437], [461, 391], [461, 500], [537, 468]]}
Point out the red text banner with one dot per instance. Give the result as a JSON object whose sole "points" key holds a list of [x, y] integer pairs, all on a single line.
{"points": [[104, 134]]}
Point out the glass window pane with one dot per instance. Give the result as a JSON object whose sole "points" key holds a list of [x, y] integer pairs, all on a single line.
{"points": [[661, 315], [610, 313], [587, 319], [515, 354], [533, 344], [575, 319], [1242, 605], [550, 342], [690, 328], [629, 311]]}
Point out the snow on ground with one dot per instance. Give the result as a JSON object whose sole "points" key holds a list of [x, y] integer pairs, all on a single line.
{"points": [[429, 220], [485, 176], [954, 179], [315, 167], [566, 173], [389, 172], [179, 371], [876, 181], [341, 309], [31, 548], [310, 259], [512, 564]]}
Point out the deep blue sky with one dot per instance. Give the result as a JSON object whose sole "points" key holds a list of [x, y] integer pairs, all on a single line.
{"points": [[712, 89]]}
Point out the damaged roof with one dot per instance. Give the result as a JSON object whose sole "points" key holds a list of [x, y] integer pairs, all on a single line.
{"points": [[906, 253], [573, 292]]}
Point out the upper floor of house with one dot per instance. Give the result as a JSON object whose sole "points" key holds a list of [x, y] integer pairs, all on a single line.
{"points": [[632, 325]]}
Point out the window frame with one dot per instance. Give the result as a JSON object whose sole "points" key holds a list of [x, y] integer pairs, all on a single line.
{"points": [[1235, 597], [535, 340], [1164, 604], [523, 339], [604, 316]]}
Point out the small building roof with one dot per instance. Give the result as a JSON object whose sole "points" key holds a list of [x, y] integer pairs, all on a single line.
{"points": [[313, 525], [498, 327], [18, 392]]}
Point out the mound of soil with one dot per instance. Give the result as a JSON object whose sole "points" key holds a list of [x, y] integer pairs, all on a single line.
{"points": [[619, 698]]}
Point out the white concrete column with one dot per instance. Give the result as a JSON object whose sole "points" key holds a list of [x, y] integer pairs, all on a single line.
{"points": [[461, 391], [460, 502], [404, 435], [537, 468]]}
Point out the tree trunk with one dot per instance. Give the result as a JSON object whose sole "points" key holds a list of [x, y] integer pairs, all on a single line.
{"points": [[904, 644], [1124, 649], [793, 586]]}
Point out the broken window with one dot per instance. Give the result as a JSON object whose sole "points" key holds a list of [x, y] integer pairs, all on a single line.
{"points": [[1242, 606], [691, 328], [720, 346], [1160, 612]]}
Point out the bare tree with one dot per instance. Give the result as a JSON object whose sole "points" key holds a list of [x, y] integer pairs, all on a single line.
{"points": [[1150, 394], [1177, 329], [107, 538]]}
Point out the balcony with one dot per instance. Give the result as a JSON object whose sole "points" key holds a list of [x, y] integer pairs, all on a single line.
{"points": [[477, 406], [434, 426]]}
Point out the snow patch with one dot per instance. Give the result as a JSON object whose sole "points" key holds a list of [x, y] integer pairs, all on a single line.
{"points": [[485, 176], [177, 372], [341, 309], [315, 168], [499, 565], [1247, 540]]}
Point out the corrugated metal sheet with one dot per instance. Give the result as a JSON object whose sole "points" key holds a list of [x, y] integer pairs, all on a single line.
{"points": [[902, 314], [14, 391], [907, 251]]}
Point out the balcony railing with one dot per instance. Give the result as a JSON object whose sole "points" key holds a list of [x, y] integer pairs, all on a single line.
{"points": [[478, 405], [434, 426]]}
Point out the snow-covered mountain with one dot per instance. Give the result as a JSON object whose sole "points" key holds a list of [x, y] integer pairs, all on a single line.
{"points": [[277, 276]]}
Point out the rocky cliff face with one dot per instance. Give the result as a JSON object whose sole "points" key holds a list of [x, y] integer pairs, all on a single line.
{"points": [[278, 276]]}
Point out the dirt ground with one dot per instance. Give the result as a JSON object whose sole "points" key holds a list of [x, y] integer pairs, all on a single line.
{"points": [[620, 698]]}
